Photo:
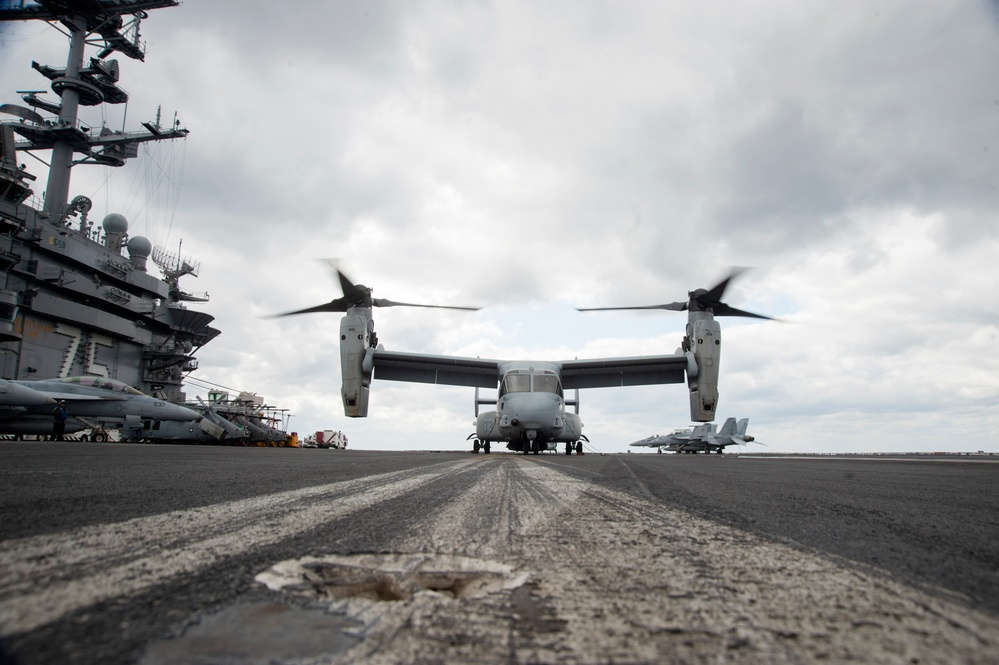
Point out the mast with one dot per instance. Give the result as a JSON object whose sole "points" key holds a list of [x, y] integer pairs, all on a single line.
{"points": [[81, 83]]}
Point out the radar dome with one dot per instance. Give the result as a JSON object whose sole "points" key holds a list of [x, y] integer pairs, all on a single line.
{"points": [[115, 223], [139, 246], [139, 249]]}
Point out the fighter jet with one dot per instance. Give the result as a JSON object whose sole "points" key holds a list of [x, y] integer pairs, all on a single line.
{"points": [[701, 439], [26, 406]]}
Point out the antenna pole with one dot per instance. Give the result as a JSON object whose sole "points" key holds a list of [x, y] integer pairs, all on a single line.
{"points": [[57, 189]]}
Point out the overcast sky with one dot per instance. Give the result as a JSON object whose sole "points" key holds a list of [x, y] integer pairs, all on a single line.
{"points": [[532, 157]]}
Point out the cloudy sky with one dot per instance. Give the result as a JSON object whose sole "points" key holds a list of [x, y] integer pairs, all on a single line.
{"points": [[532, 157]]}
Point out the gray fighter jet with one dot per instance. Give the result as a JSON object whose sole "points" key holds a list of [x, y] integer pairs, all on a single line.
{"points": [[26, 406], [701, 439]]}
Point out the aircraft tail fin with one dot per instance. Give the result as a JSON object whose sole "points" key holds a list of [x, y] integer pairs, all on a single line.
{"points": [[728, 429], [743, 425]]}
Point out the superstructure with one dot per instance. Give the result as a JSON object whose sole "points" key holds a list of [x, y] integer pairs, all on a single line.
{"points": [[77, 298]]}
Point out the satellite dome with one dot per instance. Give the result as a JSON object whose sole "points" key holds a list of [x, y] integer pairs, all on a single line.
{"points": [[115, 223], [139, 246]]}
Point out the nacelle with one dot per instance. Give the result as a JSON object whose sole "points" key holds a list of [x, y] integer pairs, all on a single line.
{"points": [[704, 341], [355, 332]]}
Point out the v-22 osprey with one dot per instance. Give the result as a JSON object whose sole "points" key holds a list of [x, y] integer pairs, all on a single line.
{"points": [[530, 414]]}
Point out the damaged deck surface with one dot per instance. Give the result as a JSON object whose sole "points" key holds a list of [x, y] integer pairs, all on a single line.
{"points": [[163, 555]]}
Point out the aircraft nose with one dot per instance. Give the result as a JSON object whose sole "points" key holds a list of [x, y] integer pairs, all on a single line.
{"points": [[178, 412], [18, 395], [534, 410]]}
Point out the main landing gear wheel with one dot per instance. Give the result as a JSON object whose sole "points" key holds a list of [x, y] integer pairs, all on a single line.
{"points": [[485, 447], [476, 446], [536, 446], [568, 447]]}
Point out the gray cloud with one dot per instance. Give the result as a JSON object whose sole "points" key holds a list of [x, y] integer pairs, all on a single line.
{"points": [[531, 156]]}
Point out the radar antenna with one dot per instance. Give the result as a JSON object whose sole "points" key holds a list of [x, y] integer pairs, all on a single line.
{"points": [[173, 267]]}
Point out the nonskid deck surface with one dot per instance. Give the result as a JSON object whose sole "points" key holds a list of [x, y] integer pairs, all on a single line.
{"points": [[262, 555]]}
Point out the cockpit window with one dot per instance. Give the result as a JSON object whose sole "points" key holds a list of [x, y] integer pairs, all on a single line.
{"points": [[517, 383], [106, 384], [547, 383]]}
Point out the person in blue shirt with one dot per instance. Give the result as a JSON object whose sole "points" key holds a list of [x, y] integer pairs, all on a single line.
{"points": [[59, 417]]}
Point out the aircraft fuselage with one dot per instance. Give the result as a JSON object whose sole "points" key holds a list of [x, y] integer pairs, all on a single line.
{"points": [[94, 397], [530, 409]]}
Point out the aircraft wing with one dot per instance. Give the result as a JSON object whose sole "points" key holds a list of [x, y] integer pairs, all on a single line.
{"points": [[619, 372], [446, 370]]}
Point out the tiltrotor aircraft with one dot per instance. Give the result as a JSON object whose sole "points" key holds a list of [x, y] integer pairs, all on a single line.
{"points": [[530, 413], [700, 439]]}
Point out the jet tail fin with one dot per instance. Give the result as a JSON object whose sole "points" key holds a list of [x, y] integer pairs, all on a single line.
{"points": [[728, 429], [743, 425]]}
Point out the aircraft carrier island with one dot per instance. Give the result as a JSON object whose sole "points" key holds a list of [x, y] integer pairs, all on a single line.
{"points": [[78, 297]]}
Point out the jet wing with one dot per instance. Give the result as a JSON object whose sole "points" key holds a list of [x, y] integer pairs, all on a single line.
{"points": [[620, 372], [446, 370]]}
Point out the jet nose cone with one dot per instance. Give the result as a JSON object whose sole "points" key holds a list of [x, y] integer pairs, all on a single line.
{"points": [[178, 412], [13, 394]]}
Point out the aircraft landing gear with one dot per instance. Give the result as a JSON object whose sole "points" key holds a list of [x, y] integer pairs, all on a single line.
{"points": [[568, 447], [475, 447], [485, 447], [536, 446]]}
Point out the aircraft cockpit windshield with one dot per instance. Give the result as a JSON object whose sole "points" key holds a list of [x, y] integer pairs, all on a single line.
{"points": [[516, 383], [547, 383], [521, 383], [106, 384]]}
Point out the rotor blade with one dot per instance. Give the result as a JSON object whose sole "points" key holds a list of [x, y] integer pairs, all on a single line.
{"points": [[673, 306], [715, 293], [359, 295], [337, 305], [351, 291], [721, 309], [384, 302]]}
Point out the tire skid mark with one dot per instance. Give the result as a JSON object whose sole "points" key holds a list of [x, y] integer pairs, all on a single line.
{"points": [[628, 579], [496, 511], [52, 552], [743, 596], [45, 577]]}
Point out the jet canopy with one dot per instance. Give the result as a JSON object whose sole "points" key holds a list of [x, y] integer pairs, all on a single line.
{"points": [[99, 382]]}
